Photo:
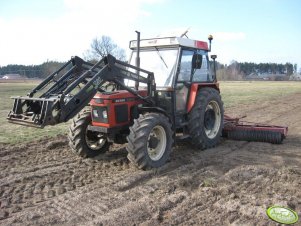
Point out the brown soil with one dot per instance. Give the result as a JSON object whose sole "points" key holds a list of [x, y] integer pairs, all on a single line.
{"points": [[43, 183]]}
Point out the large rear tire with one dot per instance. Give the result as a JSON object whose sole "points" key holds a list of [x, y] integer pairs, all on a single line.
{"points": [[150, 141], [84, 142], [206, 119]]}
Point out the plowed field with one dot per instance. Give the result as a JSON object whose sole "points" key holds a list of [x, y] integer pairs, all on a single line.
{"points": [[44, 183]]}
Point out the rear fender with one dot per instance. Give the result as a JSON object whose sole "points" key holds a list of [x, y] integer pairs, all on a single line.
{"points": [[195, 87]]}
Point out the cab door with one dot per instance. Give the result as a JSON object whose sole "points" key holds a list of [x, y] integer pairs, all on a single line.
{"points": [[193, 68], [183, 81]]}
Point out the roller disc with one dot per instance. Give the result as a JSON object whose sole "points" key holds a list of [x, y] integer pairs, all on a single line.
{"points": [[259, 136]]}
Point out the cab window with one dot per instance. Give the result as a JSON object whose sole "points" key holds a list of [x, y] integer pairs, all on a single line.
{"points": [[185, 66], [188, 71], [203, 74]]}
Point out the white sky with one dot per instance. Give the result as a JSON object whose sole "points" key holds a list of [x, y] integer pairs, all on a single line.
{"points": [[34, 31]]}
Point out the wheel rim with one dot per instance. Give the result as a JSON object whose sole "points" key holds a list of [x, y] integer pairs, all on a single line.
{"points": [[156, 143], [212, 119], [95, 141]]}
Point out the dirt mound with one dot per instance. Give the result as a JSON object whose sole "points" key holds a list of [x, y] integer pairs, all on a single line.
{"points": [[43, 183]]}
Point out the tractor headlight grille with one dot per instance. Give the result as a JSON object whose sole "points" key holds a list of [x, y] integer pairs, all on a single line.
{"points": [[100, 114]]}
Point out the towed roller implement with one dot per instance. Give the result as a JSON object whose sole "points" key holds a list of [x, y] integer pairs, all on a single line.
{"points": [[236, 129]]}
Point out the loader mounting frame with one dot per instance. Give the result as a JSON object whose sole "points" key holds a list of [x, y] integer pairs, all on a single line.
{"points": [[72, 87]]}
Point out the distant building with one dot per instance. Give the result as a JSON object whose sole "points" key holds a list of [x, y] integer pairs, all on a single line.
{"points": [[295, 77], [13, 76], [253, 76], [267, 76]]}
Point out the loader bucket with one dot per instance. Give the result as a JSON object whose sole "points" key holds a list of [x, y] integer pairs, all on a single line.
{"points": [[35, 112]]}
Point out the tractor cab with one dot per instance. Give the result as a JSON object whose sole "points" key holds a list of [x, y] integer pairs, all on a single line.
{"points": [[180, 65]]}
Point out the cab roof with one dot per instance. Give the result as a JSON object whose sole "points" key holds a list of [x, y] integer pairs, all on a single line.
{"points": [[169, 42]]}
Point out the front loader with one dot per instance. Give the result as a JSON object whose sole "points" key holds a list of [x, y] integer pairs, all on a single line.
{"points": [[170, 94]]}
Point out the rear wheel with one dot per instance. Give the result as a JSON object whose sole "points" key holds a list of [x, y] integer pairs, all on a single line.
{"points": [[206, 119], [84, 142], [150, 141]]}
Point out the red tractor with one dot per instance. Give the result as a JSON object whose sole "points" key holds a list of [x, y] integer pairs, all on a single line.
{"points": [[170, 94]]}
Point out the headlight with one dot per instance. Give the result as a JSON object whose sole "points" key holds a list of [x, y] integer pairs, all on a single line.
{"points": [[105, 114], [95, 113], [100, 114]]}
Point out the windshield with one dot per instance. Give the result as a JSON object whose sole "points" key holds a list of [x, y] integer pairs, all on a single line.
{"points": [[160, 61]]}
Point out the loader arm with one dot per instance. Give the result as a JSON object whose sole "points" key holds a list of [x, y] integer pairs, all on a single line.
{"points": [[64, 93]]}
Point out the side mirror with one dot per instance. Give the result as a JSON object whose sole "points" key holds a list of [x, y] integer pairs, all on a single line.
{"points": [[213, 57], [197, 61]]}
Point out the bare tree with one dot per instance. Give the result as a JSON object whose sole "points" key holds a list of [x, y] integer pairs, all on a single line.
{"points": [[101, 47]]}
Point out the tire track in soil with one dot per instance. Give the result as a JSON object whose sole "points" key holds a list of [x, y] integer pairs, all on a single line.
{"points": [[117, 195], [52, 179], [69, 208], [151, 187], [128, 183]]}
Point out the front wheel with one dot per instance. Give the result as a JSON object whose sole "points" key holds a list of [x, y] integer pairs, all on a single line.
{"points": [[206, 119], [150, 141], [84, 142]]}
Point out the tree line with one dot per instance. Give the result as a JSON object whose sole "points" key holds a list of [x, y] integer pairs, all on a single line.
{"points": [[234, 71], [104, 45], [272, 68], [242, 70], [31, 71]]}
